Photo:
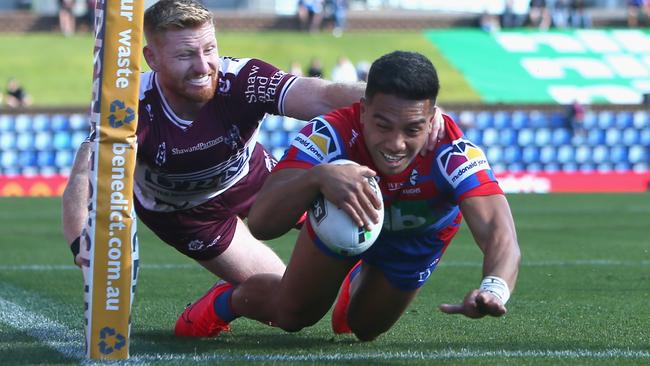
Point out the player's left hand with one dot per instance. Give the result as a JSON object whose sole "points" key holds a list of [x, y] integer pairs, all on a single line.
{"points": [[476, 304], [437, 132]]}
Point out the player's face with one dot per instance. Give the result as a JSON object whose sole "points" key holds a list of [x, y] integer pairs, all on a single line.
{"points": [[187, 62], [395, 130]]}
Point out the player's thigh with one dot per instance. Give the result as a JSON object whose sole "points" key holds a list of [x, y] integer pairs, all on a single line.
{"points": [[375, 304], [310, 283], [244, 257]]}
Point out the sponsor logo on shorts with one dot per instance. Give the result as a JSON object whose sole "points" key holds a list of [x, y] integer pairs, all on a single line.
{"points": [[460, 160], [195, 245], [317, 140]]}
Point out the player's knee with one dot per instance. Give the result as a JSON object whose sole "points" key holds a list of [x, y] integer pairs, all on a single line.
{"points": [[293, 318], [366, 332]]}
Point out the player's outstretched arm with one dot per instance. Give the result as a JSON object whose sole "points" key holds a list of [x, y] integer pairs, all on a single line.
{"points": [[493, 228], [311, 97]]}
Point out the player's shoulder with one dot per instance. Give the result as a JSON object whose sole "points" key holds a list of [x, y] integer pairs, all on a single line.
{"points": [[233, 65]]}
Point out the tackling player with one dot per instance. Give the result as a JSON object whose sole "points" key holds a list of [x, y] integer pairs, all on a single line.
{"points": [[424, 197], [199, 165]]}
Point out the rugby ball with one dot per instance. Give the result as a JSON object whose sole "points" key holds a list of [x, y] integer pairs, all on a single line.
{"points": [[337, 230]]}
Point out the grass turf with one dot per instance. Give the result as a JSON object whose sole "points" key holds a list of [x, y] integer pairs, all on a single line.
{"points": [[581, 298], [57, 71]]}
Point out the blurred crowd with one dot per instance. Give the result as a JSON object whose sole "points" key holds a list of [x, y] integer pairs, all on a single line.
{"points": [[544, 14], [345, 71]]}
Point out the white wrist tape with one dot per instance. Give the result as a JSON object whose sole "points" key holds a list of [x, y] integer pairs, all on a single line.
{"points": [[497, 287]]}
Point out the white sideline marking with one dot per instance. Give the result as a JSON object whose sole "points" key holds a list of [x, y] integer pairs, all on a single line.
{"points": [[68, 342], [544, 263], [47, 331]]}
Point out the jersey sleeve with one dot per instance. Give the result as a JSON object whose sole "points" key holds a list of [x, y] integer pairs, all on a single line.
{"points": [[461, 167], [316, 143], [262, 86]]}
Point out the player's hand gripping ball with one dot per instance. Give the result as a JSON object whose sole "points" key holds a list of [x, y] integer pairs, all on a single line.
{"points": [[337, 230]]}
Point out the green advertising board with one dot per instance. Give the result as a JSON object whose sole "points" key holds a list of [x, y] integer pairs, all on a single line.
{"points": [[592, 66]]}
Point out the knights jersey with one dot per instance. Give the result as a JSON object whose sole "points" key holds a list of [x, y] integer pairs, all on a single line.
{"points": [[181, 163], [426, 195]]}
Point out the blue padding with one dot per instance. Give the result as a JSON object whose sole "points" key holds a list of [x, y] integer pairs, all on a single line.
{"points": [[62, 140], [543, 136], [40, 122], [501, 120], [9, 159], [638, 154], [618, 154], [25, 141], [606, 119], [547, 154], [59, 122], [483, 120], [530, 154], [623, 119], [511, 154], [519, 119], [490, 136], [565, 154], [7, 122]]}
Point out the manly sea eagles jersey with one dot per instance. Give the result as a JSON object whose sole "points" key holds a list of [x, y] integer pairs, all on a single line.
{"points": [[424, 198], [181, 163]]}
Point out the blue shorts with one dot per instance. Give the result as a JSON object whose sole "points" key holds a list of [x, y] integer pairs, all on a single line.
{"points": [[406, 261]]}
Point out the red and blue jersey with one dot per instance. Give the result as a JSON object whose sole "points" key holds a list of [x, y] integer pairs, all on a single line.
{"points": [[426, 195]]}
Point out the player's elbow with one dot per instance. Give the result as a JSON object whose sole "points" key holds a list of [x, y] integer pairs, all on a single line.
{"points": [[259, 228]]}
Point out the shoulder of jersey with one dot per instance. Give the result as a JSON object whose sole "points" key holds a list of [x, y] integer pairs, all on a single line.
{"points": [[232, 65]]}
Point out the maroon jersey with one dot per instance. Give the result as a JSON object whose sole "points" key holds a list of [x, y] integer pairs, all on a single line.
{"points": [[181, 163]]}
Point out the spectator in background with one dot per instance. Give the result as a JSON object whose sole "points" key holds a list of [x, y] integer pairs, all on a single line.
{"points": [[344, 71], [295, 68], [579, 15], [492, 9], [310, 14], [515, 13], [559, 11], [575, 114], [635, 8], [363, 67], [539, 15], [15, 96], [66, 17], [340, 9], [315, 69]]}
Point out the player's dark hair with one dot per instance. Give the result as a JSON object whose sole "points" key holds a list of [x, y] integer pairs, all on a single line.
{"points": [[407, 75], [175, 14]]}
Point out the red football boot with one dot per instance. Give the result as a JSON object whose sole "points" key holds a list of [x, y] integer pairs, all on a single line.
{"points": [[340, 313], [199, 319]]}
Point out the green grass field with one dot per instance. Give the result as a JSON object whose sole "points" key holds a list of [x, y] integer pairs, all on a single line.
{"points": [[582, 297], [57, 71]]}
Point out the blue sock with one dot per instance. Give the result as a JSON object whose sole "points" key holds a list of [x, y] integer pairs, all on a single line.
{"points": [[222, 306], [355, 272]]}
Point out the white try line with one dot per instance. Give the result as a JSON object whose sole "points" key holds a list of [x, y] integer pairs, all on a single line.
{"points": [[69, 342], [443, 263]]}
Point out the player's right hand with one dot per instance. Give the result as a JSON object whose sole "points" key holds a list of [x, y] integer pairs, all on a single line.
{"points": [[346, 186]]}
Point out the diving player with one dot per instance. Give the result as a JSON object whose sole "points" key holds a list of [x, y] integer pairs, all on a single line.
{"points": [[424, 199]]}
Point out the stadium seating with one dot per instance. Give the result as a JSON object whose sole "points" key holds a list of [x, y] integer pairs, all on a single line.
{"points": [[517, 140]]}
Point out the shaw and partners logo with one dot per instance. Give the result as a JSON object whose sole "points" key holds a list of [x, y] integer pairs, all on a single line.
{"points": [[120, 114], [461, 160]]}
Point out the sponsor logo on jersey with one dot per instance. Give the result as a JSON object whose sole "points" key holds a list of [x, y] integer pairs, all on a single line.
{"points": [[460, 160], [161, 156], [195, 245], [317, 140]]}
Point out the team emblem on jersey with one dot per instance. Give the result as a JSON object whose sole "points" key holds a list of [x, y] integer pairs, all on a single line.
{"points": [[317, 140], [460, 160], [413, 178]]}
